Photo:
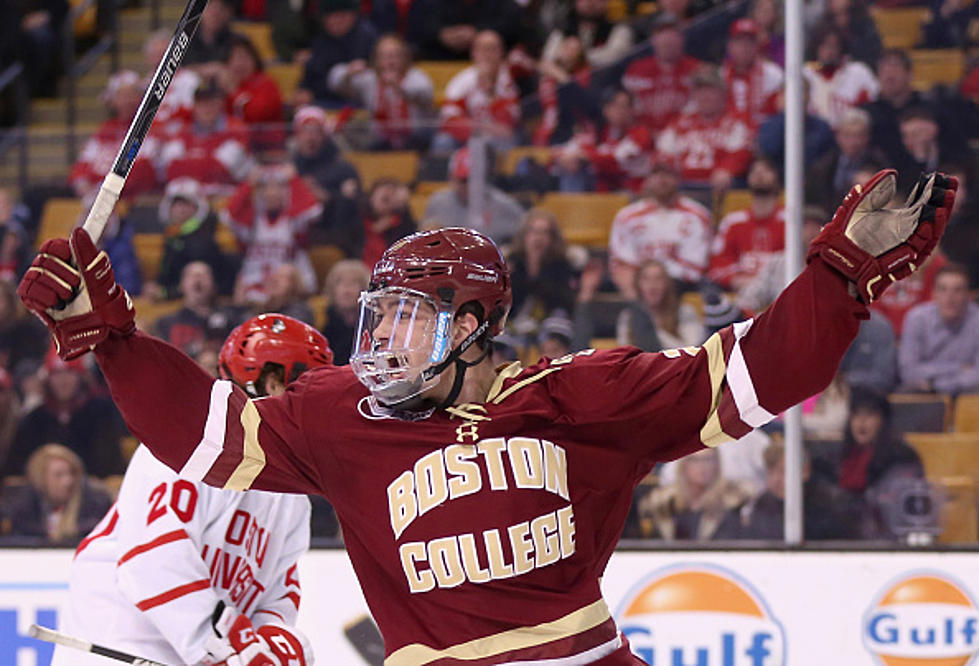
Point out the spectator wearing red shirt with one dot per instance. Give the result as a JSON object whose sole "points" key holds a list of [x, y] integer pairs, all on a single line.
{"points": [[748, 239], [711, 142], [661, 83], [255, 97], [397, 95], [121, 97], [753, 83], [211, 148], [837, 83], [270, 216], [386, 219], [616, 157], [483, 95]]}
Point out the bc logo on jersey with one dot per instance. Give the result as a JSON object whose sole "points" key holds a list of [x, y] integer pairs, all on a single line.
{"points": [[700, 614], [923, 618]]}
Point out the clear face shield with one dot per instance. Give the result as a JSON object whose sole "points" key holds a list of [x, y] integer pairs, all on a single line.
{"points": [[401, 334]]}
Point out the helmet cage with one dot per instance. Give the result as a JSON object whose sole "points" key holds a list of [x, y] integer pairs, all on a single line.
{"points": [[417, 333]]}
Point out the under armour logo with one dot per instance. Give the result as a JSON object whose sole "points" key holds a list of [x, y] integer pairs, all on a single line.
{"points": [[467, 430]]}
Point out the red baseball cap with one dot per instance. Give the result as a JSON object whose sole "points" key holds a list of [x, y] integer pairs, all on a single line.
{"points": [[744, 27]]}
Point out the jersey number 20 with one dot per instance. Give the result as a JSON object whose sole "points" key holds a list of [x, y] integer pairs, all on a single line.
{"points": [[183, 501]]}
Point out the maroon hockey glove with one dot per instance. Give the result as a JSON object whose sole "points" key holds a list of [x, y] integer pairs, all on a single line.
{"points": [[80, 306], [272, 644], [873, 246]]}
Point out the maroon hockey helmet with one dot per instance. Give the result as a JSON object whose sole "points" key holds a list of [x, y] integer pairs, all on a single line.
{"points": [[454, 266], [418, 287], [271, 338]]}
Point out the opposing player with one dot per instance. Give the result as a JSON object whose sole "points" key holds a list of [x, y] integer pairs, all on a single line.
{"points": [[480, 508], [150, 576]]}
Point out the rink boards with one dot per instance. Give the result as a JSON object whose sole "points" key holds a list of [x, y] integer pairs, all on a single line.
{"points": [[677, 608]]}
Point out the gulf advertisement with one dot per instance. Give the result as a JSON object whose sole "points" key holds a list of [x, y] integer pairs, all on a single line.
{"points": [[676, 608]]}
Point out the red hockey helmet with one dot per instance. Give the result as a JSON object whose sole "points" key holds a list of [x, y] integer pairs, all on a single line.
{"points": [[271, 338], [421, 282]]}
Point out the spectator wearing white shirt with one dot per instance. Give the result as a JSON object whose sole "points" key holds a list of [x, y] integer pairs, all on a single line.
{"points": [[662, 225]]}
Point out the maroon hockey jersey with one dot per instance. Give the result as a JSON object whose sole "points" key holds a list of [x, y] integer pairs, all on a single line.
{"points": [[479, 533]]}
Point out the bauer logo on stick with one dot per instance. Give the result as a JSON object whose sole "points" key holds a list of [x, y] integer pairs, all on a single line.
{"points": [[700, 614], [176, 55], [922, 619]]}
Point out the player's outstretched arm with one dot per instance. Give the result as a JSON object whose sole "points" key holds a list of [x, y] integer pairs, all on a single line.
{"points": [[794, 348], [195, 425]]}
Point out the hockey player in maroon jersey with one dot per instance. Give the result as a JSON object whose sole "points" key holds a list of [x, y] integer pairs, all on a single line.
{"points": [[480, 507]]}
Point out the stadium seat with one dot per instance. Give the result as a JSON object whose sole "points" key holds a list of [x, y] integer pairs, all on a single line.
{"points": [[900, 27], [931, 67], [603, 343], [114, 482], [323, 257], [417, 205], [958, 517], [287, 76], [617, 10], [149, 252], [734, 200], [317, 304], [429, 187], [400, 164], [441, 72], [147, 311], [260, 34], [966, 417], [226, 239], [586, 218], [947, 454], [58, 218], [919, 412], [510, 160]]}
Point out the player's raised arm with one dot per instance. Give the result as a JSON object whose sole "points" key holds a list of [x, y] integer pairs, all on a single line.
{"points": [[858, 254], [205, 429]]}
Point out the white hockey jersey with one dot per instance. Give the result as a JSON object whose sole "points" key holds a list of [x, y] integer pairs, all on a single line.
{"points": [[677, 235], [148, 577]]}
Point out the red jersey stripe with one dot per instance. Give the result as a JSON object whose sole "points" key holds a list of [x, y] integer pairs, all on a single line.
{"points": [[270, 612], [174, 593], [105, 532], [293, 597], [169, 537]]}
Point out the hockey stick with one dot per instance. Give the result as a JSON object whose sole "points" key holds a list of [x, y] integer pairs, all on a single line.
{"points": [[116, 178], [52, 636]]}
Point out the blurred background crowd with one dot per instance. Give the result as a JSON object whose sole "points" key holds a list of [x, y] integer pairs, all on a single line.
{"points": [[626, 155]]}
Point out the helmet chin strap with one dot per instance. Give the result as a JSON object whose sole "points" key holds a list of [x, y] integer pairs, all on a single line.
{"points": [[461, 366]]}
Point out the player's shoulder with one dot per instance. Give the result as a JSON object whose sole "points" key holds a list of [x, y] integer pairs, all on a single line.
{"points": [[574, 367], [637, 208], [734, 218], [327, 379], [688, 205]]}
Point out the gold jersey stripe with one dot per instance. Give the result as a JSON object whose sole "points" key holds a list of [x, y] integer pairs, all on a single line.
{"points": [[712, 434], [577, 622], [523, 382], [253, 457], [508, 372]]}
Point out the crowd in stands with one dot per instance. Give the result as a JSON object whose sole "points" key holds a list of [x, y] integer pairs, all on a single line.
{"points": [[677, 108]]}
